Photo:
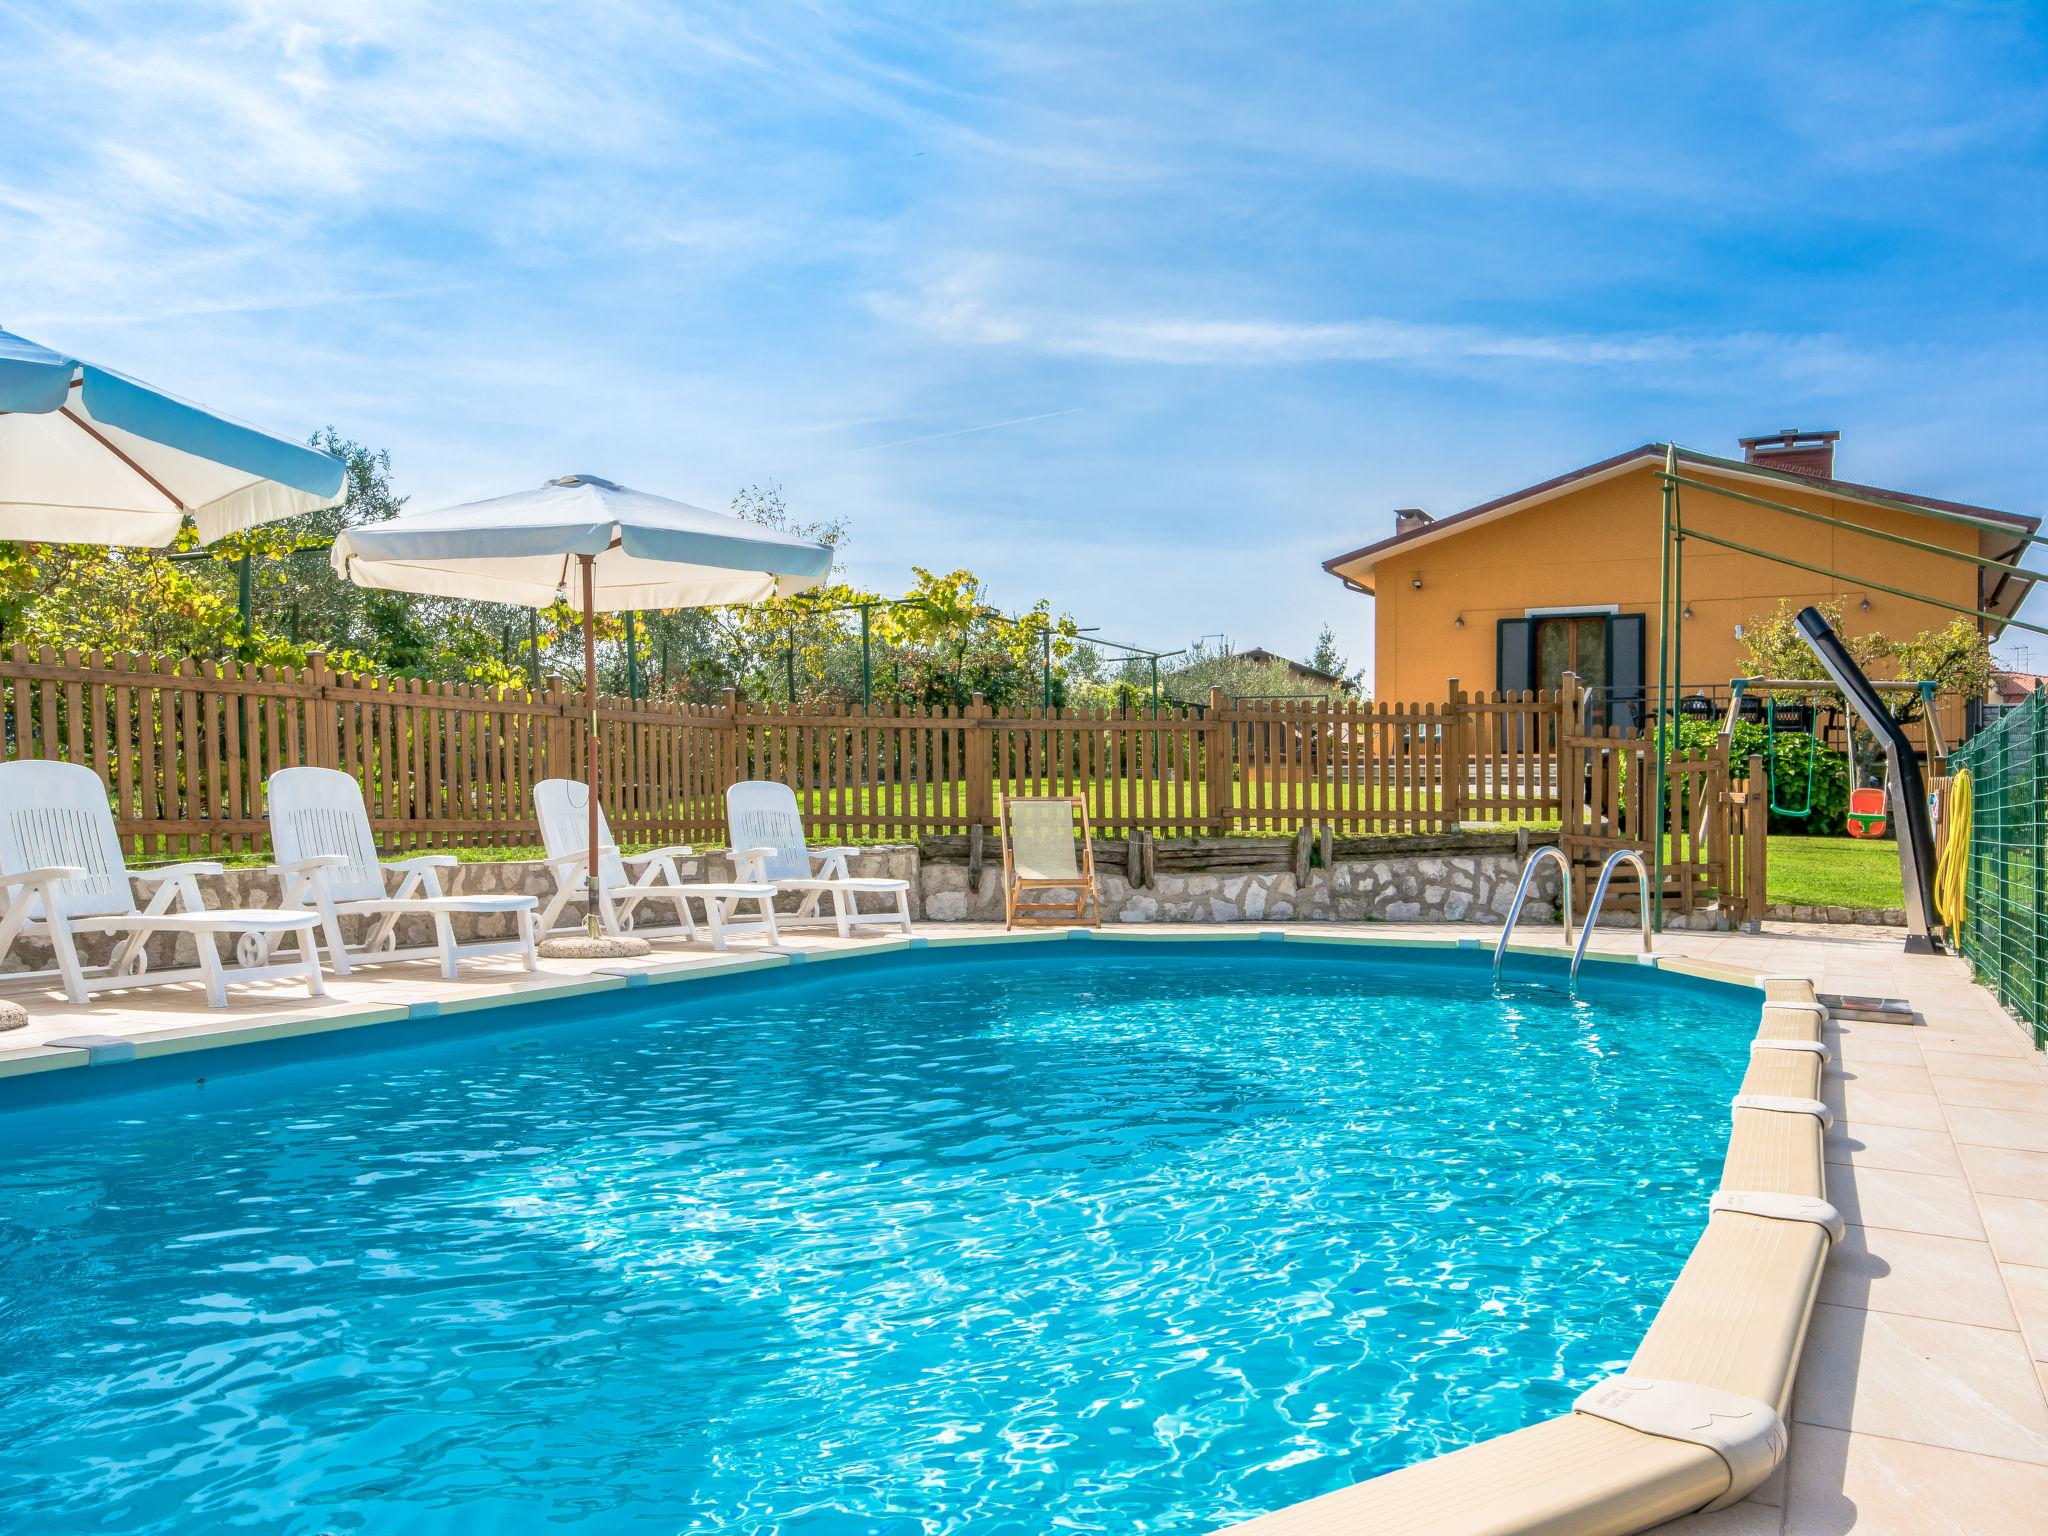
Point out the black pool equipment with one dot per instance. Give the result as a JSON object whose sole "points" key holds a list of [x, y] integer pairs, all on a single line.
{"points": [[1902, 768]]}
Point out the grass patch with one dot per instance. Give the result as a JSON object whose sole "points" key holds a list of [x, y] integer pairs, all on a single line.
{"points": [[1835, 872]]}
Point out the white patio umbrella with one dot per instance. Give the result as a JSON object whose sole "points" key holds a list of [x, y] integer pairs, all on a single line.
{"points": [[628, 550], [91, 456]]}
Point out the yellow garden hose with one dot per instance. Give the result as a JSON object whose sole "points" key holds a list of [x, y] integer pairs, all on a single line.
{"points": [[1949, 869]]}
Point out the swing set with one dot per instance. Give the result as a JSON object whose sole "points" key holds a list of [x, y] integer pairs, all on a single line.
{"points": [[1869, 804], [1871, 807]]}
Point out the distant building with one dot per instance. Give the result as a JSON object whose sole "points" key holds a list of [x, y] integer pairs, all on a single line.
{"points": [[2010, 688], [1300, 669]]}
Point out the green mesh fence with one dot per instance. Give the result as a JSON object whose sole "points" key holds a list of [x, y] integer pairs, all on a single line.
{"points": [[2005, 925]]}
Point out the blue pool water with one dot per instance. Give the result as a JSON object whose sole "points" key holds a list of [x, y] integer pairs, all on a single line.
{"points": [[1075, 1237]]}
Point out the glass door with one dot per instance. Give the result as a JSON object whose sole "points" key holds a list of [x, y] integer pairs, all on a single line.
{"points": [[1572, 642]]}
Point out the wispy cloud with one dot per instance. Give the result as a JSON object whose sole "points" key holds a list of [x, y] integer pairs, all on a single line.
{"points": [[962, 308], [987, 426]]}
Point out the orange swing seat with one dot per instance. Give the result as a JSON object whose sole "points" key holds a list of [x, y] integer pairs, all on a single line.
{"points": [[1867, 812]]}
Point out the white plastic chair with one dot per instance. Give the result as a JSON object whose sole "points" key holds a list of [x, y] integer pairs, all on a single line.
{"points": [[563, 806], [327, 859], [768, 844], [63, 873]]}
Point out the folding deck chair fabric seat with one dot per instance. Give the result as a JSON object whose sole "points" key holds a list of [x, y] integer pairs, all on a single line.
{"points": [[327, 859], [1042, 853], [63, 873], [563, 806], [768, 844]]}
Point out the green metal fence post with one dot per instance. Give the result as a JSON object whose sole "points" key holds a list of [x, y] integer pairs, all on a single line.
{"points": [[1657, 746], [867, 669]]}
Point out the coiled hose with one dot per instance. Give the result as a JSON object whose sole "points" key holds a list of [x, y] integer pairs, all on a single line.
{"points": [[1953, 864]]}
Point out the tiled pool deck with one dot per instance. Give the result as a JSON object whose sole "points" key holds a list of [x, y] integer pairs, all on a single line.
{"points": [[1922, 1402]]}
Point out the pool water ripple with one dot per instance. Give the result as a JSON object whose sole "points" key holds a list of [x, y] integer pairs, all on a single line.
{"points": [[1078, 1239]]}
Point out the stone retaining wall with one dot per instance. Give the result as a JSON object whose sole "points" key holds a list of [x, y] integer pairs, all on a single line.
{"points": [[1859, 917], [1467, 878], [1476, 887]]}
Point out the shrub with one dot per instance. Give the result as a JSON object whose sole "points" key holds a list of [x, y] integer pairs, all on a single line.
{"points": [[1786, 760]]}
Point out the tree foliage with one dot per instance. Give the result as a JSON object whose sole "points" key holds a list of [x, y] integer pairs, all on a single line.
{"points": [[1187, 679], [1955, 658], [937, 644], [185, 601]]}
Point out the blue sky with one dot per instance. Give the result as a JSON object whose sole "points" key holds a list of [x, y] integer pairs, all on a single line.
{"points": [[1147, 309]]}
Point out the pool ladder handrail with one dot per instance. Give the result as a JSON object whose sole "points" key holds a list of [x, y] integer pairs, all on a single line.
{"points": [[1547, 851], [1607, 868]]}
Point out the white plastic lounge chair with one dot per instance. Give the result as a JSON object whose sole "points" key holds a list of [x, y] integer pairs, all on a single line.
{"points": [[768, 844], [1047, 846], [63, 873], [564, 809], [327, 859]]}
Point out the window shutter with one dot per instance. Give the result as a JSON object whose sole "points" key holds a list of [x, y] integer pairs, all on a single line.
{"points": [[1625, 670], [1511, 661]]}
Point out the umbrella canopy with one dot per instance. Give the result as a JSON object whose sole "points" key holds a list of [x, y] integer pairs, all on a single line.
{"points": [[648, 551], [588, 540], [91, 456]]}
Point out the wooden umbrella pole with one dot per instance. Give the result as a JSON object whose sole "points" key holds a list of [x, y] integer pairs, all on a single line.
{"points": [[590, 925]]}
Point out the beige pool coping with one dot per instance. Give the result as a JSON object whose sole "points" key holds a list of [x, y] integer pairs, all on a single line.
{"points": [[1921, 1399]]}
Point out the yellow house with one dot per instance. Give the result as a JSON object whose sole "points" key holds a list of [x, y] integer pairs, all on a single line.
{"points": [[1564, 575]]}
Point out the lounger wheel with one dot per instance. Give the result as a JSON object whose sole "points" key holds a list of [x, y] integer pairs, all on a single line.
{"points": [[386, 942], [137, 964], [628, 918], [252, 949]]}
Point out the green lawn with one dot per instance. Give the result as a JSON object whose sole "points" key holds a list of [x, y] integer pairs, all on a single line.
{"points": [[1835, 872]]}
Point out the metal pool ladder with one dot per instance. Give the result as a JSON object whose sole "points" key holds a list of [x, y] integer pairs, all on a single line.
{"points": [[1564, 868], [1619, 856]]}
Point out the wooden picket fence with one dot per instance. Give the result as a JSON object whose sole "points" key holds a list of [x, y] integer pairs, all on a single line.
{"points": [[184, 748], [1714, 833]]}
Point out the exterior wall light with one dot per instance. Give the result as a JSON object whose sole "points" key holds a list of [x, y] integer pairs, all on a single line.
{"points": [[1866, 605], [1416, 583], [1458, 622], [1686, 612]]}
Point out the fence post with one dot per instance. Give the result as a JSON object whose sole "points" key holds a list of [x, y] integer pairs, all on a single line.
{"points": [[1457, 764], [1216, 780], [2036, 836], [321, 729], [1756, 827], [731, 744], [555, 701], [978, 763]]}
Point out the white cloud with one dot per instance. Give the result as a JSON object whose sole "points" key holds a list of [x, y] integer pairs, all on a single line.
{"points": [[965, 307]]}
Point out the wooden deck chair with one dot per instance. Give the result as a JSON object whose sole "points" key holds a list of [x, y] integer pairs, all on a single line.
{"points": [[327, 859], [1047, 846], [564, 809], [62, 873], [768, 844]]}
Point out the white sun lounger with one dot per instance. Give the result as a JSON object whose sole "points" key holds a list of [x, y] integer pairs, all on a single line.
{"points": [[63, 874], [564, 809], [327, 859], [768, 844]]}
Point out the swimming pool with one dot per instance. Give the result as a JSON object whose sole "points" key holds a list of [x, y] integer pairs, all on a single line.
{"points": [[1060, 1235]]}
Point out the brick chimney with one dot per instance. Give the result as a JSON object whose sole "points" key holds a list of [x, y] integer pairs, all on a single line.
{"points": [[1803, 453], [1408, 519]]}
